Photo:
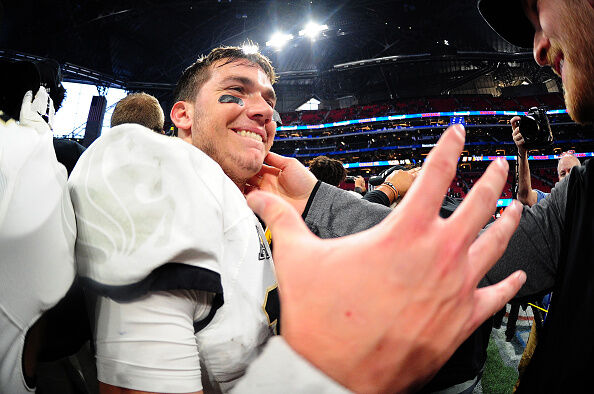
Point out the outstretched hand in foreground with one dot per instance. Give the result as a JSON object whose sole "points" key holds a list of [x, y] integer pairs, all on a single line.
{"points": [[382, 310]]}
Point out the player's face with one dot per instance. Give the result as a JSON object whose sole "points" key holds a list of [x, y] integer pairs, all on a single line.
{"points": [[236, 134], [564, 40], [565, 165]]}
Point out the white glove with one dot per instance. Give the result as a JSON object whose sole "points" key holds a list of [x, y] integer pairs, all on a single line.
{"points": [[33, 109]]}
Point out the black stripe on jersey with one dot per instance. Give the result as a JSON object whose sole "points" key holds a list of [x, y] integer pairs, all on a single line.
{"points": [[217, 302], [170, 276]]}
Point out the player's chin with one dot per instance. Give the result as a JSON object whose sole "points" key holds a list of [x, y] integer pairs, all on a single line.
{"points": [[252, 164]]}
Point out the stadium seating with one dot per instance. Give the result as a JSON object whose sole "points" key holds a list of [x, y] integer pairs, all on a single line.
{"points": [[552, 101], [421, 105], [528, 102]]}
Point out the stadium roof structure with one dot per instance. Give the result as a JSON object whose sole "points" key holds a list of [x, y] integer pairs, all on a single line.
{"points": [[372, 50]]}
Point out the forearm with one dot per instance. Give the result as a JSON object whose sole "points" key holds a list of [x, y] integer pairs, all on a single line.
{"points": [[528, 253], [378, 197], [526, 195], [333, 212], [535, 245], [280, 369]]}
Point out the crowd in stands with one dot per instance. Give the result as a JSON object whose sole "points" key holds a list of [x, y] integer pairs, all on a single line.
{"points": [[424, 105], [542, 179], [415, 142]]}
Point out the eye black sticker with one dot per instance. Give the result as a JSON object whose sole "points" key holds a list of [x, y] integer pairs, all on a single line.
{"points": [[227, 98]]}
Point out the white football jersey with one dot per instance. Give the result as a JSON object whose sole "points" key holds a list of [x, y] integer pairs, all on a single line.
{"points": [[249, 314], [37, 234], [155, 213]]}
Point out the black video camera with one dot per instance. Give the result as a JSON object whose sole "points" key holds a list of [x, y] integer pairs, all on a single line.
{"points": [[535, 129], [350, 179]]}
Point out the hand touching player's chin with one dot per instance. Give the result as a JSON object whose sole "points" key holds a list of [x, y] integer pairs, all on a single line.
{"points": [[286, 178]]}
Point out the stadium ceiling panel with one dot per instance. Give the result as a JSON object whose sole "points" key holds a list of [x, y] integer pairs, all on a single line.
{"points": [[143, 42]]}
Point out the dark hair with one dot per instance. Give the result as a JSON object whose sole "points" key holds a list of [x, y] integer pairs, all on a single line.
{"points": [[140, 108], [198, 73], [328, 170]]}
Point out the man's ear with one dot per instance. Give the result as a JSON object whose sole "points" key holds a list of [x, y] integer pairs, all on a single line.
{"points": [[181, 116]]}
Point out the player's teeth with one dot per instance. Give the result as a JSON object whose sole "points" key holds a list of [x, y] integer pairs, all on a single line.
{"points": [[249, 134]]}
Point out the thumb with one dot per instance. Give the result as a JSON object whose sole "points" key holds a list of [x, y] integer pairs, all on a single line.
{"points": [[27, 98], [285, 224]]}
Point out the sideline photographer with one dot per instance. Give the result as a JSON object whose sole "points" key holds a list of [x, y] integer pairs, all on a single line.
{"points": [[526, 194]]}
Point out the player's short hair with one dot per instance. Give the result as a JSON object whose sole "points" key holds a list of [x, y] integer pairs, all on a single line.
{"points": [[140, 108], [328, 170], [198, 73]]}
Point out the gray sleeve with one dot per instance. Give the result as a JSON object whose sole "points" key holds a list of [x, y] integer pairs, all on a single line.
{"points": [[334, 212], [280, 370], [535, 245]]}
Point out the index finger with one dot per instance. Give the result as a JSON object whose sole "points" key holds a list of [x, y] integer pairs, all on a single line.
{"points": [[514, 121], [28, 97], [415, 171], [423, 201], [263, 171], [266, 169], [276, 160]]}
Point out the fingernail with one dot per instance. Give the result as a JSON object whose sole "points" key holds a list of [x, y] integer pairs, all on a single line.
{"points": [[501, 162], [521, 277], [516, 205], [460, 130]]}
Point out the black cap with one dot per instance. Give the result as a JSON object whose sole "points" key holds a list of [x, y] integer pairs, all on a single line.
{"points": [[508, 19]]}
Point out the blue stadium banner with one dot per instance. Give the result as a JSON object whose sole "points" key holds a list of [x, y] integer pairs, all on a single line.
{"points": [[411, 116]]}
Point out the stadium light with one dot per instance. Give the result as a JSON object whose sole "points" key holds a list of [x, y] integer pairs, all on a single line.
{"points": [[249, 49], [312, 29], [278, 40]]}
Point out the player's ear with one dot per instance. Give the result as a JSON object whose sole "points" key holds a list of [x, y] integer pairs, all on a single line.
{"points": [[181, 116]]}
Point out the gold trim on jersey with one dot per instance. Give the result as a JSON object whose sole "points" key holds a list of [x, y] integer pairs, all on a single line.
{"points": [[273, 324]]}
